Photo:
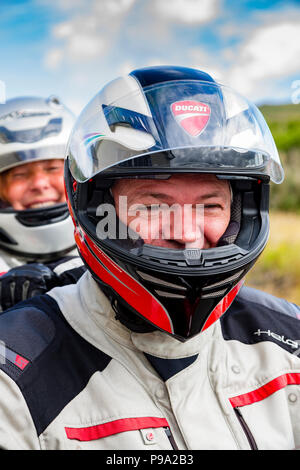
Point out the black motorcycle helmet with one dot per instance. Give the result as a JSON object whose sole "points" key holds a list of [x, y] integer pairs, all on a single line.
{"points": [[154, 123]]}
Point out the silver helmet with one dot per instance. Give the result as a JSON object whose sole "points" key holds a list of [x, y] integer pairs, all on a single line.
{"points": [[34, 129]]}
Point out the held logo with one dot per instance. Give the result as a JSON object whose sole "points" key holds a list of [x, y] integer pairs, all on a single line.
{"points": [[281, 338], [192, 116]]}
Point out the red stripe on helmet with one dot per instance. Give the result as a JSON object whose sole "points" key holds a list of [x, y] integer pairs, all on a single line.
{"points": [[223, 305], [70, 207], [122, 283]]}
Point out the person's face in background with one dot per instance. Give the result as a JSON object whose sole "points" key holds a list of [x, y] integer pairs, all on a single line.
{"points": [[34, 185]]}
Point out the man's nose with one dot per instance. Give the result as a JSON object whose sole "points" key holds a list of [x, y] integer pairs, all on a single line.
{"points": [[187, 228], [193, 238], [39, 180]]}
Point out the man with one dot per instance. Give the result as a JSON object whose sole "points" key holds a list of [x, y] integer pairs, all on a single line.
{"points": [[36, 228], [158, 346], [177, 192], [34, 185]]}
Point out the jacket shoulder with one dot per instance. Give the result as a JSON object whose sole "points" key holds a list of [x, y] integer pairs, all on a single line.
{"points": [[25, 332], [42, 352], [257, 316]]}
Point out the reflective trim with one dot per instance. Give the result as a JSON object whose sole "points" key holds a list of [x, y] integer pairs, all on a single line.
{"points": [[99, 431], [265, 390]]}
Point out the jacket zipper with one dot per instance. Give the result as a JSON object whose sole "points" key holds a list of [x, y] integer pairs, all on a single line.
{"points": [[171, 438], [246, 429]]}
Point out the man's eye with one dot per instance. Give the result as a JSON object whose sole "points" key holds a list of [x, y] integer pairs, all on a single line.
{"points": [[54, 168], [146, 208], [212, 207], [18, 175]]}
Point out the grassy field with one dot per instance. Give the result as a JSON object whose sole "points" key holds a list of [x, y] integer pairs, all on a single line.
{"points": [[277, 271], [284, 123]]}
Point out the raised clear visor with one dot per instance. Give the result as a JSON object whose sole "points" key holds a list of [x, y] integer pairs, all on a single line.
{"points": [[184, 124]]}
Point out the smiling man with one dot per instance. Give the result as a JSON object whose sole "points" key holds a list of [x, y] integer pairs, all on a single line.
{"points": [[159, 346], [33, 185], [35, 225], [182, 211], [34, 219]]}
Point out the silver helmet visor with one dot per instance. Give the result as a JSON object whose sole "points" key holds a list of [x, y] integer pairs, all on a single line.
{"points": [[197, 125]]}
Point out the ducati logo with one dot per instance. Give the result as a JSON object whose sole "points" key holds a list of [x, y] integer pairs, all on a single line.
{"points": [[192, 116]]}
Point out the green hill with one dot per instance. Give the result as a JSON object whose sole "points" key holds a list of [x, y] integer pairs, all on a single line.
{"points": [[284, 123]]}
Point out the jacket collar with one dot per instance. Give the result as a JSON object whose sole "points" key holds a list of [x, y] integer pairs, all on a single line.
{"points": [[89, 311]]}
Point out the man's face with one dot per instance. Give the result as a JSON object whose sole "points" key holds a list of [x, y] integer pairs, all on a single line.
{"points": [[35, 184], [200, 206]]}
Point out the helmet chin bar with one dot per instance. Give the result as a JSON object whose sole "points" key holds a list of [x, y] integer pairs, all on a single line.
{"points": [[187, 287], [189, 300], [41, 234], [190, 312]]}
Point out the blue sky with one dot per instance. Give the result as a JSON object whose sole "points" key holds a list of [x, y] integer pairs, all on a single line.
{"points": [[72, 47]]}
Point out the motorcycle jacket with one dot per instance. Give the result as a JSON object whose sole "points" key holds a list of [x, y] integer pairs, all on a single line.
{"points": [[74, 377], [8, 260]]}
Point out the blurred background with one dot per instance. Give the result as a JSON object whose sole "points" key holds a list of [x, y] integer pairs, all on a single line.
{"points": [[71, 48]]}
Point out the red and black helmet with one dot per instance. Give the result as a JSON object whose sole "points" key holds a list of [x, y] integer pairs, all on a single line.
{"points": [[154, 123]]}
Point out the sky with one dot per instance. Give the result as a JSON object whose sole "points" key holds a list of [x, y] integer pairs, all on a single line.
{"points": [[71, 48]]}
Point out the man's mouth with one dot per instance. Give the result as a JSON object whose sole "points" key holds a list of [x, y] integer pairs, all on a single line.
{"points": [[37, 205]]}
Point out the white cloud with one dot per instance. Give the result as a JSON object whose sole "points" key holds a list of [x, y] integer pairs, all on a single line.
{"points": [[63, 30], [88, 32], [200, 59], [271, 52], [53, 58], [188, 11], [102, 39], [93, 25]]}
